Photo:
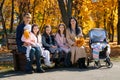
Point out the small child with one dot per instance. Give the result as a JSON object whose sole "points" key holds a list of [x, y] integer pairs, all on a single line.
{"points": [[28, 39]]}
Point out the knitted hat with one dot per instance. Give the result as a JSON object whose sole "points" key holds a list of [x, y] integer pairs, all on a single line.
{"points": [[28, 27]]}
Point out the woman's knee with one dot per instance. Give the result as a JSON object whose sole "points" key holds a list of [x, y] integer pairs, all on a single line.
{"points": [[32, 51]]}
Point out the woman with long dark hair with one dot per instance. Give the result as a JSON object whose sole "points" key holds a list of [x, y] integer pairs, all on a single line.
{"points": [[77, 53]]}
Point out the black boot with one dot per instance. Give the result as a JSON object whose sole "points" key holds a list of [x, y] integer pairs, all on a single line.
{"points": [[28, 68], [67, 62], [80, 63], [83, 63]]}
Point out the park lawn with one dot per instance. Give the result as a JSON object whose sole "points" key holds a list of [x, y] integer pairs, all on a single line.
{"points": [[6, 67]]}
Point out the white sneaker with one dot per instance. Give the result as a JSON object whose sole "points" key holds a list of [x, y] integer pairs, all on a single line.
{"points": [[48, 64], [28, 58]]}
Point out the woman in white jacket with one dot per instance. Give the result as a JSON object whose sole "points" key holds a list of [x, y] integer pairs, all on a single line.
{"points": [[38, 41]]}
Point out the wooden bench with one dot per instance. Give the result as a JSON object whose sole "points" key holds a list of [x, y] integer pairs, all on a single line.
{"points": [[19, 59]]}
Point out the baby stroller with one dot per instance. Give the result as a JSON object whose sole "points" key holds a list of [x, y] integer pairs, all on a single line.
{"points": [[100, 48]]}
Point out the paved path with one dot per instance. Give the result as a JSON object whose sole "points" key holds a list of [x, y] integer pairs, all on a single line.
{"points": [[68, 74]]}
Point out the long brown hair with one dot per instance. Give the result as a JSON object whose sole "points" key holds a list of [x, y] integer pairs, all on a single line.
{"points": [[64, 32], [35, 25], [47, 26]]}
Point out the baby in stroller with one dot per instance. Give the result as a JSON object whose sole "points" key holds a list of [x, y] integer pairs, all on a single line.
{"points": [[100, 47]]}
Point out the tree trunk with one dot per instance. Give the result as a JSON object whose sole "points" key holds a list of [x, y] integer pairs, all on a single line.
{"points": [[105, 22], [118, 25], [2, 18], [69, 8], [65, 12], [34, 5], [23, 7], [12, 17], [28, 5], [112, 29], [20, 12]]}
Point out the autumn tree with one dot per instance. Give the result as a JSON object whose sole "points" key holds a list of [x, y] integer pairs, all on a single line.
{"points": [[2, 17], [12, 17], [89, 13], [118, 26], [66, 10]]}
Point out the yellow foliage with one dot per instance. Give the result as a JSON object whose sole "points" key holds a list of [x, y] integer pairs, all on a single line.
{"points": [[48, 12], [26, 34], [79, 41]]}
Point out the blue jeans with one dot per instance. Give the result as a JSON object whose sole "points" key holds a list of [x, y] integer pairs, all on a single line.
{"points": [[35, 51]]}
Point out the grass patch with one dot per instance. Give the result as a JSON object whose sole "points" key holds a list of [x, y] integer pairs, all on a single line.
{"points": [[6, 67], [116, 59]]}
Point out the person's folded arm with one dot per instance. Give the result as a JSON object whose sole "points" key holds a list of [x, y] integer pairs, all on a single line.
{"points": [[44, 42]]}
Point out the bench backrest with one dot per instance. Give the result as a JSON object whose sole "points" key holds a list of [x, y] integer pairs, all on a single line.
{"points": [[12, 41]]}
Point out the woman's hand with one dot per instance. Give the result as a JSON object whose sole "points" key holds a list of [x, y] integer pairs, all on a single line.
{"points": [[74, 44], [80, 35], [54, 46]]}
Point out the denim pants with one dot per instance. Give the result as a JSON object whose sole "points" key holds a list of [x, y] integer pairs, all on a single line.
{"points": [[35, 51]]}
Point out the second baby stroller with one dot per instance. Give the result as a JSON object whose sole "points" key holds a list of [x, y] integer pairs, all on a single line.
{"points": [[100, 48]]}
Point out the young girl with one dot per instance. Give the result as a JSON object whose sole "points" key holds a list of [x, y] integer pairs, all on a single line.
{"points": [[38, 41], [62, 43], [50, 44]]}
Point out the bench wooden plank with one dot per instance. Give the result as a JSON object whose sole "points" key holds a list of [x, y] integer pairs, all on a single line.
{"points": [[12, 47], [11, 41], [19, 59], [11, 36]]}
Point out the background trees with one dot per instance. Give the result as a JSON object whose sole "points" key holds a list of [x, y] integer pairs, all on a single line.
{"points": [[89, 13], [118, 26]]}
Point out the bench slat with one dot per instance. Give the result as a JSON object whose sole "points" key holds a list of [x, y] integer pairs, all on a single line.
{"points": [[11, 41], [11, 36], [12, 47]]}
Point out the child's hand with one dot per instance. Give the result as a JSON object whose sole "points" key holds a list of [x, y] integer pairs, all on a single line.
{"points": [[26, 44], [54, 46], [32, 40]]}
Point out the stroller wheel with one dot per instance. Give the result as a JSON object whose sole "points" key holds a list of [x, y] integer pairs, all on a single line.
{"points": [[97, 64], [109, 64]]}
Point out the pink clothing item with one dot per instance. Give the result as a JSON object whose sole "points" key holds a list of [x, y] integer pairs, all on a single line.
{"points": [[62, 42], [30, 40]]}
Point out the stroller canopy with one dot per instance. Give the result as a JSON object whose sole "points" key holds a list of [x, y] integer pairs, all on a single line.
{"points": [[97, 35]]}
